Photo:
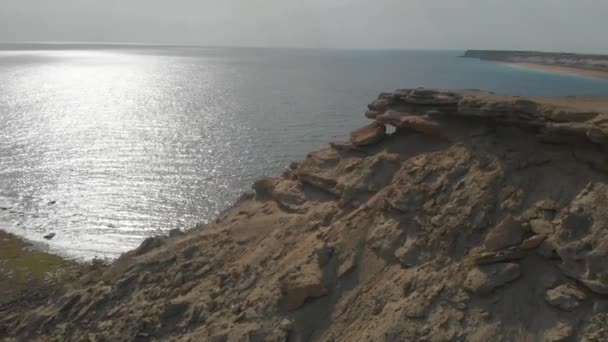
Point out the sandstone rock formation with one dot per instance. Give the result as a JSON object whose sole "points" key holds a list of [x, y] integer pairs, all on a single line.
{"points": [[565, 297], [481, 218], [368, 135]]}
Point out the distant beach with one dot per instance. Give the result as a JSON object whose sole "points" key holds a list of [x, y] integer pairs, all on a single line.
{"points": [[575, 64], [560, 69]]}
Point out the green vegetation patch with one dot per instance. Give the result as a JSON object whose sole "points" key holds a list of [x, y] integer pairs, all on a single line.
{"points": [[24, 268]]}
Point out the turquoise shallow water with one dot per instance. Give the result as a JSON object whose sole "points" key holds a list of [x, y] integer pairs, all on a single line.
{"points": [[105, 146]]}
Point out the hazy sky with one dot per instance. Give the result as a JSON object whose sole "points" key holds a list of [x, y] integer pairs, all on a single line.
{"points": [[565, 25]]}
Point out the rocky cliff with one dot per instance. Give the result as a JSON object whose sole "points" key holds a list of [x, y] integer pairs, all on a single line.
{"points": [[477, 218]]}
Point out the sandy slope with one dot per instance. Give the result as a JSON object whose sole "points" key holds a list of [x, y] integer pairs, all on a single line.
{"points": [[562, 70]]}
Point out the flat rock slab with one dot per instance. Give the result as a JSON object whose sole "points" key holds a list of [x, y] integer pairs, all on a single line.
{"points": [[513, 253], [533, 242], [413, 122], [565, 297], [507, 233], [484, 279], [368, 135]]}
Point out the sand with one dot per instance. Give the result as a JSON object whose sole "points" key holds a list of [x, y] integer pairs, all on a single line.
{"points": [[561, 70]]}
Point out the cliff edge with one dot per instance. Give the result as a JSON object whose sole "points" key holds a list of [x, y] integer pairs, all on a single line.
{"points": [[476, 217]]}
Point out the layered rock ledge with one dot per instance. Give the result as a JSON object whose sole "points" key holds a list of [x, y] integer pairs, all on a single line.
{"points": [[479, 218]]}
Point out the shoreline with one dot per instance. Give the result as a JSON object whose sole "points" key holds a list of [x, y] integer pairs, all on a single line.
{"points": [[556, 69]]}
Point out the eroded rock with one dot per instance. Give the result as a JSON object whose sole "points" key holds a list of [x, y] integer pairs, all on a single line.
{"points": [[580, 240], [408, 254], [484, 279], [533, 242], [368, 135], [510, 254], [565, 297], [507, 233], [301, 285], [562, 332], [413, 122], [540, 226]]}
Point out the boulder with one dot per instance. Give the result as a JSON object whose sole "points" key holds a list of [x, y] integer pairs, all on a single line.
{"points": [[533, 242], [507, 233], [540, 226], [562, 332], [565, 297], [596, 329], [509, 254], [368, 135], [289, 193], [408, 254], [484, 279], [149, 244], [384, 238], [301, 285]]}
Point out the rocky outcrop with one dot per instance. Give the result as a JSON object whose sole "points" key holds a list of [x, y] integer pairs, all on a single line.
{"points": [[423, 110], [565, 297], [484, 279], [506, 234], [368, 135], [475, 220]]}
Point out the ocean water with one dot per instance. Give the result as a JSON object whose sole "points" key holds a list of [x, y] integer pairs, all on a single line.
{"points": [[105, 146]]}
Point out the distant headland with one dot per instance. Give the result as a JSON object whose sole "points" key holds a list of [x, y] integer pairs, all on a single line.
{"points": [[588, 65]]}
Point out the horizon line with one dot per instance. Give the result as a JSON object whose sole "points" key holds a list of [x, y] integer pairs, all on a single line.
{"points": [[59, 43], [270, 47]]}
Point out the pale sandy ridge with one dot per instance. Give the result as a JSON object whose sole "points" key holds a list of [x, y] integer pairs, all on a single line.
{"points": [[560, 69]]}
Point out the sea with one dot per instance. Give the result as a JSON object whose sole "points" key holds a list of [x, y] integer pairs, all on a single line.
{"points": [[107, 145]]}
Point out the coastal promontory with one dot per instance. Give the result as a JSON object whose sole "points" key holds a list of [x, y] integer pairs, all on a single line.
{"points": [[593, 65], [452, 216]]}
